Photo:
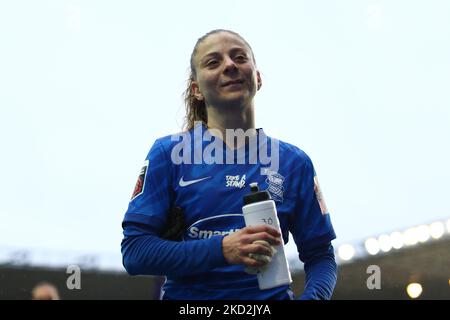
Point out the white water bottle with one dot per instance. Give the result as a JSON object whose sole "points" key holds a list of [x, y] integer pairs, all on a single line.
{"points": [[259, 209]]}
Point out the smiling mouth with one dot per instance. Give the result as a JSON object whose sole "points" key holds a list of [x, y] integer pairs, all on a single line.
{"points": [[234, 82]]}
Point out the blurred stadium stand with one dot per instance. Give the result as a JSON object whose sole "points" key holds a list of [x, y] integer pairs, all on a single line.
{"points": [[427, 264], [17, 283], [425, 260]]}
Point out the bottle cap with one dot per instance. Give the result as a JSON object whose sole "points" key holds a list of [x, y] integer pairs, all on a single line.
{"points": [[256, 195]]}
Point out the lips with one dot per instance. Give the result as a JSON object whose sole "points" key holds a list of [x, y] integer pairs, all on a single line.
{"points": [[232, 82]]}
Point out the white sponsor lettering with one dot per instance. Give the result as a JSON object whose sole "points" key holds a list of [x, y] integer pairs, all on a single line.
{"points": [[196, 233]]}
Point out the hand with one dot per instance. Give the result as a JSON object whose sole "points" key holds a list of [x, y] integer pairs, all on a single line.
{"points": [[242, 247], [263, 258]]}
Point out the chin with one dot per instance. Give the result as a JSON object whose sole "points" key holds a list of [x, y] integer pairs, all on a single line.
{"points": [[236, 102], [237, 98]]}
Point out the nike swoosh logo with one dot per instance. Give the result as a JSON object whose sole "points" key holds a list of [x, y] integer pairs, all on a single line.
{"points": [[184, 183]]}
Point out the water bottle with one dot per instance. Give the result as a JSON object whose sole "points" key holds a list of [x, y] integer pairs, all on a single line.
{"points": [[259, 209]]}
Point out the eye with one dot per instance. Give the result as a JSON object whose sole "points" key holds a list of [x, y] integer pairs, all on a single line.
{"points": [[241, 58], [211, 63]]}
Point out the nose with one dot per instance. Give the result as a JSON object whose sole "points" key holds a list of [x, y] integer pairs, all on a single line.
{"points": [[230, 66]]}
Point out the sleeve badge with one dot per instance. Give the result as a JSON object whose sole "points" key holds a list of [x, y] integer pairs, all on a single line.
{"points": [[140, 183], [319, 196]]}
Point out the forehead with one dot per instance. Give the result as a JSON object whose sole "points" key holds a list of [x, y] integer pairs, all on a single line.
{"points": [[221, 42]]}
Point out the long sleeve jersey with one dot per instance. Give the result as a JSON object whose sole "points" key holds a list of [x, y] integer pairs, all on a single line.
{"points": [[197, 172]]}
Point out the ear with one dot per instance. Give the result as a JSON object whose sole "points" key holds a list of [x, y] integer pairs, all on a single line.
{"points": [[196, 91], [258, 80]]}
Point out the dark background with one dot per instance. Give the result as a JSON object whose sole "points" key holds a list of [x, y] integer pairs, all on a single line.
{"points": [[428, 264]]}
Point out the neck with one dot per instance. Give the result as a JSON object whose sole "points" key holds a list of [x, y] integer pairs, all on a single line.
{"points": [[221, 119]]}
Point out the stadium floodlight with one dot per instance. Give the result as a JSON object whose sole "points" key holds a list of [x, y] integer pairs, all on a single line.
{"points": [[397, 240], [372, 246], [411, 236], [423, 233], [414, 290], [385, 242], [346, 252], [437, 229]]}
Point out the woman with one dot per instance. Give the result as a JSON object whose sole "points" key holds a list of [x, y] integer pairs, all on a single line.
{"points": [[185, 221]]}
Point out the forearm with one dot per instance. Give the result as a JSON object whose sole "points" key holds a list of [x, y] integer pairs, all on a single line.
{"points": [[321, 274], [151, 255]]}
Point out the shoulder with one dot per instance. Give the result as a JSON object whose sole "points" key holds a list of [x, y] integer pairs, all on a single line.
{"points": [[293, 153], [169, 141], [163, 146]]}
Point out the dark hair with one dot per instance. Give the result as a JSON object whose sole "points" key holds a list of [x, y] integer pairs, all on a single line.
{"points": [[196, 109]]}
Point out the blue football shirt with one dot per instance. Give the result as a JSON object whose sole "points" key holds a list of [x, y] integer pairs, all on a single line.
{"points": [[179, 171]]}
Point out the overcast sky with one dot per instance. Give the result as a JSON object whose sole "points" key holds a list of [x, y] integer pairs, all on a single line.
{"points": [[87, 86]]}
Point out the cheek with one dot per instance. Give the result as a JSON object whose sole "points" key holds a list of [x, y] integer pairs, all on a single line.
{"points": [[251, 75], [207, 82], [252, 81]]}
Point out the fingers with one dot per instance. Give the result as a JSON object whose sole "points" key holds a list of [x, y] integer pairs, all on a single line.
{"points": [[256, 240], [256, 248], [260, 257], [250, 262], [262, 236], [265, 243], [257, 255], [263, 228], [261, 232]]}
